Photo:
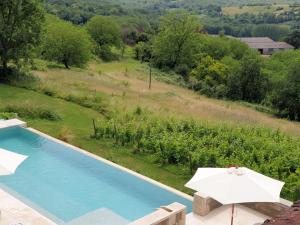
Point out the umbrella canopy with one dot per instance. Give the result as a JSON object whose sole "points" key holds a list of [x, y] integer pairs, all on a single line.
{"points": [[9, 162], [235, 185]]}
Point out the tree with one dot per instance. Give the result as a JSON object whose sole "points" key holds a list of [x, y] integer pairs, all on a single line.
{"points": [[177, 41], [252, 81], [106, 33], [210, 77], [216, 47], [66, 43], [276, 32], [294, 38], [20, 28], [286, 97], [234, 78], [143, 51]]}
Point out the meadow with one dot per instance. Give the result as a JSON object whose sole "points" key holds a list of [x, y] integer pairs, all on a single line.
{"points": [[255, 9], [123, 86]]}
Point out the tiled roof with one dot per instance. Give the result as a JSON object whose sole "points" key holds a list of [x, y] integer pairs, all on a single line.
{"points": [[284, 45], [265, 42], [288, 217], [257, 40]]}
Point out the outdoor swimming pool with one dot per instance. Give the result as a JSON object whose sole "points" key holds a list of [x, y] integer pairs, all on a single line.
{"points": [[65, 185]]}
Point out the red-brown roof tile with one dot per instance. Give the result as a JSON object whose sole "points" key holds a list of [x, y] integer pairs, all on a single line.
{"points": [[288, 217]]}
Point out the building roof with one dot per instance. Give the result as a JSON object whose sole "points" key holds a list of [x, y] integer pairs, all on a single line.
{"points": [[285, 45], [257, 40], [265, 42], [288, 217]]}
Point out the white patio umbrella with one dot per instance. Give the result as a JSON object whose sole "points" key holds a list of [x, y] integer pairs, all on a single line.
{"points": [[9, 162], [235, 185]]}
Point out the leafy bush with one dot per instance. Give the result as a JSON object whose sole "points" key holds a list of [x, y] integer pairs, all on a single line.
{"points": [[7, 115], [106, 33], [211, 77], [259, 107], [89, 101], [273, 31], [20, 78], [66, 43], [32, 112], [286, 95], [192, 144], [65, 134]]}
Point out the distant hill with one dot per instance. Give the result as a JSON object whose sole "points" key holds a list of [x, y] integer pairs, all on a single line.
{"points": [[87, 8]]}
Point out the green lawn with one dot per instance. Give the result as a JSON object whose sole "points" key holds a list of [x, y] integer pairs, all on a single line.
{"points": [[78, 120]]}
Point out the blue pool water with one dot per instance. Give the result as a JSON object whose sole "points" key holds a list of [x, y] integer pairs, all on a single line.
{"points": [[66, 184]]}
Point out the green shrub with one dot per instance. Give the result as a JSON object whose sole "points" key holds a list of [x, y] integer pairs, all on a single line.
{"points": [[48, 91], [32, 112], [89, 101], [259, 107], [17, 77], [7, 115], [138, 111]]}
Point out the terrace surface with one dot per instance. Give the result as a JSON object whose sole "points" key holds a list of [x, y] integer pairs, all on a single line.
{"points": [[222, 216], [13, 211]]}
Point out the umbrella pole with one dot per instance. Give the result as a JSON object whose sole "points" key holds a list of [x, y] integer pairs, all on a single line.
{"points": [[232, 212]]}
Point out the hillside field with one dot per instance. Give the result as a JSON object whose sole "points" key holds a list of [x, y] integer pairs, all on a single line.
{"points": [[123, 85], [277, 9]]}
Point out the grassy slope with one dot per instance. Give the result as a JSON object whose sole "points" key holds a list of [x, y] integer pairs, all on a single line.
{"points": [[124, 86]]}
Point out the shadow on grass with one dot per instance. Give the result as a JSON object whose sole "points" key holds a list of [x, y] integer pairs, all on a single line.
{"points": [[14, 76]]}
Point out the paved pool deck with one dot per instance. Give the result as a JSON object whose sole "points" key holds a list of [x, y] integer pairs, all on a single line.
{"points": [[15, 212], [222, 216]]}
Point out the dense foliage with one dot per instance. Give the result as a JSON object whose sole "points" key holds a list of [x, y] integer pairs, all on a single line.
{"points": [[293, 38], [20, 26], [66, 43], [272, 31], [191, 144], [286, 94], [176, 41], [282, 69], [106, 33], [31, 111], [7, 115]]}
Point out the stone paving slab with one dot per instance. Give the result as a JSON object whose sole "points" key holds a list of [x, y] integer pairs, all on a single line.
{"points": [[14, 212], [222, 216], [101, 216]]}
